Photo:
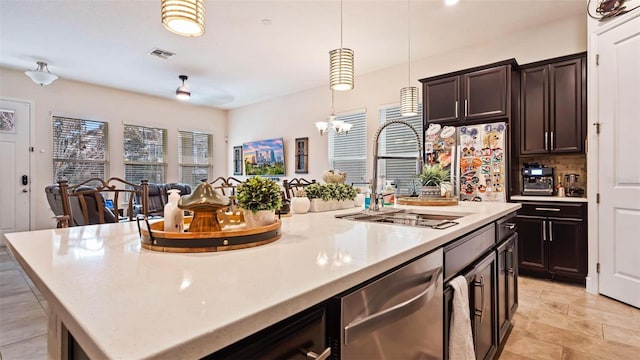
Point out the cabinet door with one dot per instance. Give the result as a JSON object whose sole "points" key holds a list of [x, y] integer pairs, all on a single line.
{"points": [[532, 237], [507, 283], [567, 131], [534, 117], [567, 248], [442, 99], [484, 308], [485, 94]]}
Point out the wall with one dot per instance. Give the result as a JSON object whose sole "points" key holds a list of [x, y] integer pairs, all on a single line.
{"points": [[294, 115], [116, 107]]}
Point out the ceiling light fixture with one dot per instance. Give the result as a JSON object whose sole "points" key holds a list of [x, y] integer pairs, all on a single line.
{"points": [[182, 92], [450, 2], [338, 126], [409, 94], [183, 17], [341, 65], [41, 75]]}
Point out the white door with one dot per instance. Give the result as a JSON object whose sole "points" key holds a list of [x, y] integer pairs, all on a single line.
{"points": [[619, 162], [15, 196]]}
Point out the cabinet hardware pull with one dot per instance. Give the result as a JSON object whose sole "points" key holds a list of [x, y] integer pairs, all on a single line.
{"points": [[456, 108], [546, 140], [323, 356], [481, 311], [550, 231], [544, 230], [552, 141], [466, 111], [510, 226], [547, 209]]}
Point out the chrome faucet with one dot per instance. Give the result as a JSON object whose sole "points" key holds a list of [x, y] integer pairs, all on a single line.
{"points": [[374, 181]]}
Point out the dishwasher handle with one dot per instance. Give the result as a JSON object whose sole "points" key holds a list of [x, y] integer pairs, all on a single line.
{"points": [[398, 311]]}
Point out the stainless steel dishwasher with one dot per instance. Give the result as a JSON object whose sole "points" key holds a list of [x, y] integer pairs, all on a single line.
{"points": [[398, 316]]}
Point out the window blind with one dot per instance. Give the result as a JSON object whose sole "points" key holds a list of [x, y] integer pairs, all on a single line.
{"points": [[399, 140], [195, 154], [144, 154], [347, 152], [80, 149]]}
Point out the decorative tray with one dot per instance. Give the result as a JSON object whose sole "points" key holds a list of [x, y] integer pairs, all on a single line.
{"points": [[424, 201], [230, 238]]}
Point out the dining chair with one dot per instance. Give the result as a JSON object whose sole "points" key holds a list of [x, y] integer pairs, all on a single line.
{"points": [[295, 184], [97, 201]]}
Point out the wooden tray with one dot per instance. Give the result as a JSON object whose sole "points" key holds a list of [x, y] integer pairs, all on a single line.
{"points": [[424, 201], [237, 238]]}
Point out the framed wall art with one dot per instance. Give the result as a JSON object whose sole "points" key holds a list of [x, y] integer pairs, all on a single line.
{"points": [[302, 155], [237, 160], [264, 157]]}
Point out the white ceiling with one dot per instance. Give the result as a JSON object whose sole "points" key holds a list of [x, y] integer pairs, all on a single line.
{"points": [[239, 60]]}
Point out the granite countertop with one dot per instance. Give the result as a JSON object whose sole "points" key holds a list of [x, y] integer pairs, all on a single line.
{"points": [[549, 198], [122, 301]]}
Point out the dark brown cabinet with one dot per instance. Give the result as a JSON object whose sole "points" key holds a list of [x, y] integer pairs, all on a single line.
{"points": [[507, 284], [552, 241], [482, 294], [553, 106], [470, 96]]}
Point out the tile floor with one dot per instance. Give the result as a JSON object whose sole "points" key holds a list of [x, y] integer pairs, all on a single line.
{"points": [[553, 321]]}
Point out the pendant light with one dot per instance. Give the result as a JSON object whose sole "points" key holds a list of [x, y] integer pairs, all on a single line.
{"points": [[183, 17], [41, 75], [409, 94], [182, 92], [341, 65]]}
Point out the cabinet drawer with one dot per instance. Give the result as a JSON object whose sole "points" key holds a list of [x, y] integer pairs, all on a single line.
{"points": [[463, 252], [553, 209], [505, 227]]}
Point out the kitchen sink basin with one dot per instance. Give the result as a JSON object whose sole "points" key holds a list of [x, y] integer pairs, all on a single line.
{"points": [[404, 217]]}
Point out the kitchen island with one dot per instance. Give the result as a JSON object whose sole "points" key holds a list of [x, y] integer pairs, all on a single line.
{"points": [[121, 301]]}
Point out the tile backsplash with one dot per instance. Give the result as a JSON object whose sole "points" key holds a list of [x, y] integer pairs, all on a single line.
{"points": [[562, 165]]}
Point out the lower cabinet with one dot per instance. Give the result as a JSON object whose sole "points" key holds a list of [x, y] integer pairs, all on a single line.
{"points": [[553, 241], [483, 308], [302, 336], [507, 284], [482, 299]]}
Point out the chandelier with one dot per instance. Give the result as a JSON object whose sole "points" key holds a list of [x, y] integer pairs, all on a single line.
{"points": [[338, 126]]}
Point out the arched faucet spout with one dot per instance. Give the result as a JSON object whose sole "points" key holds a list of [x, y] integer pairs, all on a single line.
{"points": [[374, 181]]}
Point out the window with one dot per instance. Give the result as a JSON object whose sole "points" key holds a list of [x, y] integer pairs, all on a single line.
{"points": [[80, 149], [194, 156], [144, 152], [399, 140], [347, 152]]}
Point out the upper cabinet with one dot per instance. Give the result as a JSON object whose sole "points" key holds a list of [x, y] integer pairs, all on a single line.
{"points": [[553, 106], [470, 96]]}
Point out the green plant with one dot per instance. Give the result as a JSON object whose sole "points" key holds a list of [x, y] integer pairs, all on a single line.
{"points": [[258, 193], [331, 191], [434, 175]]}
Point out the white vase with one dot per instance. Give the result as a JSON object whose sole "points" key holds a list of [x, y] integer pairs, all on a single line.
{"points": [[259, 218], [300, 205], [359, 200]]}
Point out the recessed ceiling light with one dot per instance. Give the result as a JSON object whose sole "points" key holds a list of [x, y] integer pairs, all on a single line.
{"points": [[266, 22], [450, 2]]}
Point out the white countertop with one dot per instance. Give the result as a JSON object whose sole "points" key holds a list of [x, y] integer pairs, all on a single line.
{"points": [[549, 198], [121, 301]]}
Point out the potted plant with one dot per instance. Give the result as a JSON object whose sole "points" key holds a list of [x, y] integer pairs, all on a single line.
{"points": [[259, 197], [300, 203], [432, 177], [331, 196]]}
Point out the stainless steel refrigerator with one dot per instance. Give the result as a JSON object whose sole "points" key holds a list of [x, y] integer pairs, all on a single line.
{"points": [[476, 157]]}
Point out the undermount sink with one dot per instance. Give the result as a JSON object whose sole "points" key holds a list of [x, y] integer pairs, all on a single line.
{"points": [[404, 217]]}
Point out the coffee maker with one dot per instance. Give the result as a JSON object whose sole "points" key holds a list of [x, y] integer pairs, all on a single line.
{"points": [[537, 180], [572, 188]]}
